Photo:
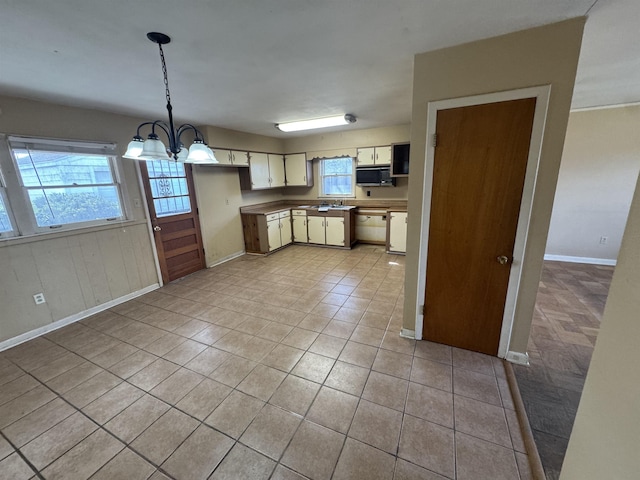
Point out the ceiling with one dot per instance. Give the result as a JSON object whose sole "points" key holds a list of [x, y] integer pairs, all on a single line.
{"points": [[248, 65]]}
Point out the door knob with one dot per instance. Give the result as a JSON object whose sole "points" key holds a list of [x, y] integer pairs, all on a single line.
{"points": [[503, 259], [156, 228]]}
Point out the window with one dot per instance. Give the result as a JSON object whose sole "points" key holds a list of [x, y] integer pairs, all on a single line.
{"points": [[169, 188], [6, 227], [336, 177], [63, 184]]}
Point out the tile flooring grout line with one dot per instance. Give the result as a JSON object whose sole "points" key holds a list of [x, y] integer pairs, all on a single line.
{"points": [[21, 455]]}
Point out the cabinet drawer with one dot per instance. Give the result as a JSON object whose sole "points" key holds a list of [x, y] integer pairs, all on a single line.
{"points": [[286, 214], [272, 216], [299, 212]]}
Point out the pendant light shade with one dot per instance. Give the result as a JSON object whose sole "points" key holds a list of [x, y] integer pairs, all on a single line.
{"points": [[200, 153], [134, 149], [153, 149]]}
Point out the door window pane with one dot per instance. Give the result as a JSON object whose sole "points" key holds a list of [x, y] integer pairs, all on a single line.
{"points": [[169, 187]]}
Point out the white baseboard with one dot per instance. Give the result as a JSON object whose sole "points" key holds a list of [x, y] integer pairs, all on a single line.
{"points": [[226, 259], [517, 357], [589, 260], [406, 333], [25, 337]]}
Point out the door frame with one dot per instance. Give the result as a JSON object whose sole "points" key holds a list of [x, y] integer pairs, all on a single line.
{"points": [[147, 214], [541, 93]]}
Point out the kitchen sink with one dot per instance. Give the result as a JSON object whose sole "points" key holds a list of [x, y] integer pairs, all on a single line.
{"points": [[330, 207]]}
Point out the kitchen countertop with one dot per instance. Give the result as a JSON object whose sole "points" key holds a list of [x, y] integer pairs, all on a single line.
{"points": [[284, 205]]}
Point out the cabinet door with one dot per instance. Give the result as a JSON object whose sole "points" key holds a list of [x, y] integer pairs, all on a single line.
{"points": [[259, 169], [335, 230], [285, 231], [398, 232], [315, 226], [223, 156], [239, 158], [366, 156], [276, 170], [296, 169], [300, 229], [273, 234], [383, 155]]}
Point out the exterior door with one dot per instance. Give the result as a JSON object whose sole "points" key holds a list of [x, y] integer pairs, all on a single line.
{"points": [[479, 170], [173, 211]]}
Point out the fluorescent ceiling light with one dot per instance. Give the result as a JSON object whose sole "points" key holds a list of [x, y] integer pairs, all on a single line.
{"points": [[316, 123]]}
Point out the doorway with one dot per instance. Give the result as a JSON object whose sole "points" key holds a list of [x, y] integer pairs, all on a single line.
{"points": [[459, 240], [173, 212]]}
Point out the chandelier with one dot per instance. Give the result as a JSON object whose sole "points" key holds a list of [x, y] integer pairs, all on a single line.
{"points": [[152, 148]]}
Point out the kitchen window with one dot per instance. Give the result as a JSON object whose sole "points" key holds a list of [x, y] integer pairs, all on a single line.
{"points": [[337, 177], [59, 185], [6, 225]]}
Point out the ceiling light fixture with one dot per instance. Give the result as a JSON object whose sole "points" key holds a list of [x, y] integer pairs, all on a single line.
{"points": [[152, 148], [316, 123]]}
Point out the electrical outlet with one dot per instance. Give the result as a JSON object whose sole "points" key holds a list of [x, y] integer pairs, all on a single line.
{"points": [[604, 240], [39, 298]]}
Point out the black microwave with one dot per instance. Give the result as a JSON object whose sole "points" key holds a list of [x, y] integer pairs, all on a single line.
{"points": [[374, 177]]}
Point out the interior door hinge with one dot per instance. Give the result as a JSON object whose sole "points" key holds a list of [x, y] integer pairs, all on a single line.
{"points": [[434, 140], [197, 211], [424, 310]]}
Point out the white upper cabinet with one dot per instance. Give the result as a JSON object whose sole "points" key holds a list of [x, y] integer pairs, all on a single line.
{"points": [[298, 170], [231, 157], [240, 158], [259, 170], [276, 170], [223, 156], [371, 156]]}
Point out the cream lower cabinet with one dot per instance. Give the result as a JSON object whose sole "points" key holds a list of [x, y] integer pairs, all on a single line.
{"points": [[396, 232], [278, 230], [326, 230], [299, 226]]}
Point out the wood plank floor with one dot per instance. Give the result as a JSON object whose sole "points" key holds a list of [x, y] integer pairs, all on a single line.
{"points": [[566, 322]]}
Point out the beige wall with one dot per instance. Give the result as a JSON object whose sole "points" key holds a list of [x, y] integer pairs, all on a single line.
{"points": [[606, 434], [75, 270], [599, 166], [540, 56], [219, 195], [346, 144]]}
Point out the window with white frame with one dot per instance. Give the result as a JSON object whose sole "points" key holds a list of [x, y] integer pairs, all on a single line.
{"points": [[337, 177], [62, 184], [6, 225]]}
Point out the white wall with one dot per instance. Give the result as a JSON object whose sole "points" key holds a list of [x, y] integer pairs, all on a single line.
{"points": [[600, 162], [605, 440]]}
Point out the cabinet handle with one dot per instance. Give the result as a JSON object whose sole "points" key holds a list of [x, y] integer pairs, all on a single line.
{"points": [[304, 179], [304, 222]]}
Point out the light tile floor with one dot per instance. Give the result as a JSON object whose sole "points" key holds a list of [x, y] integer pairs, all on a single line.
{"points": [[283, 367]]}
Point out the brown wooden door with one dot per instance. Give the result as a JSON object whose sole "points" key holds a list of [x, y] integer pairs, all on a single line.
{"points": [[174, 217], [479, 170]]}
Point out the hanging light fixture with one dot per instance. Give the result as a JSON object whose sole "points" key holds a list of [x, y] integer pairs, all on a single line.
{"points": [[152, 148]]}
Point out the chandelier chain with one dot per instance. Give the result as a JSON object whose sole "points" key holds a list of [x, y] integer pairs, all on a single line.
{"points": [[164, 73]]}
